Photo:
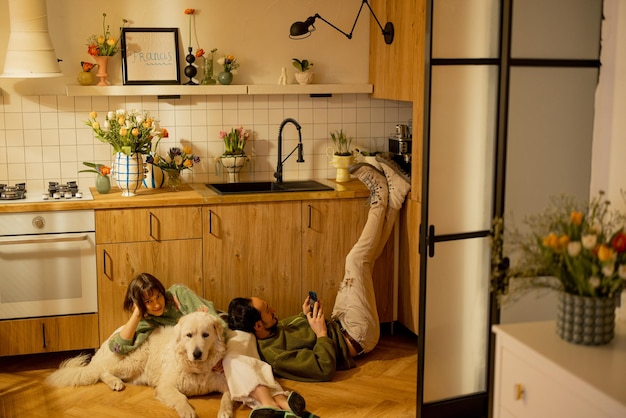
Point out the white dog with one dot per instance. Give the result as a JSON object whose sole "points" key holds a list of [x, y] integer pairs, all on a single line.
{"points": [[177, 361]]}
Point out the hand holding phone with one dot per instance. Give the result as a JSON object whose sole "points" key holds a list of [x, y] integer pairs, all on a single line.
{"points": [[312, 299]]}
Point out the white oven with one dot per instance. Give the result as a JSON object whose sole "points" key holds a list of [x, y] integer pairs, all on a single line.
{"points": [[47, 264]]}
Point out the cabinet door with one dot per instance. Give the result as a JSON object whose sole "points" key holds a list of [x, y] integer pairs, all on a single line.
{"points": [[45, 335], [176, 261], [148, 224], [331, 228], [404, 79], [254, 250]]}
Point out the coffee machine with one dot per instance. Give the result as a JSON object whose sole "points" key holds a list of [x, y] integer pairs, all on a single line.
{"points": [[400, 144]]}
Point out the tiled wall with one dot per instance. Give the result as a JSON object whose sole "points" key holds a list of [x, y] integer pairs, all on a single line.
{"points": [[44, 138]]}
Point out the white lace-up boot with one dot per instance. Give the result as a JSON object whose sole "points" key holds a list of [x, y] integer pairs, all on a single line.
{"points": [[374, 180], [398, 182]]}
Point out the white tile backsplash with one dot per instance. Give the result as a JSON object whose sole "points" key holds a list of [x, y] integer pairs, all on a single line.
{"points": [[44, 138]]}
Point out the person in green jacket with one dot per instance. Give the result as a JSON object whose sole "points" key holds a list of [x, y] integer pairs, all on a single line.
{"points": [[152, 306], [306, 346]]}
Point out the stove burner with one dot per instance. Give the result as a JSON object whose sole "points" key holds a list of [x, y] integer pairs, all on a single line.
{"points": [[13, 192], [58, 191]]}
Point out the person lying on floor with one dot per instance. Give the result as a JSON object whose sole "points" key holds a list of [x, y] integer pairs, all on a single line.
{"points": [[249, 379], [307, 347]]}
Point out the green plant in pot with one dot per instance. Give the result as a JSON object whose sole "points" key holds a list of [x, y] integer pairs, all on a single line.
{"points": [[341, 143], [342, 157], [234, 156], [577, 249], [304, 75]]}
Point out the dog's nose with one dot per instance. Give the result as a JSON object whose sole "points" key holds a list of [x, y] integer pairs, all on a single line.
{"points": [[197, 353]]}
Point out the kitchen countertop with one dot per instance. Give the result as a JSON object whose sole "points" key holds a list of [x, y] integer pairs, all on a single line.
{"points": [[189, 194]]}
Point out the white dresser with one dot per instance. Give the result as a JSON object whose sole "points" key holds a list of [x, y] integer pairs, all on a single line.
{"points": [[538, 375]]}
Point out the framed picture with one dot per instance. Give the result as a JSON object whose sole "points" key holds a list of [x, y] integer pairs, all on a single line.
{"points": [[150, 56]]}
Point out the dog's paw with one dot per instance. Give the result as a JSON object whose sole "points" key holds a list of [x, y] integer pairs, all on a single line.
{"points": [[114, 382], [225, 414], [186, 412]]}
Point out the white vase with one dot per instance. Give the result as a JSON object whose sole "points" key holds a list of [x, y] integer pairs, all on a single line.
{"points": [[233, 165], [305, 77], [129, 172], [155, 178], [341, 163]]}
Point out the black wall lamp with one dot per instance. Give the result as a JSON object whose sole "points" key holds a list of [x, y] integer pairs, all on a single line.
{"points": [[301, 30]]}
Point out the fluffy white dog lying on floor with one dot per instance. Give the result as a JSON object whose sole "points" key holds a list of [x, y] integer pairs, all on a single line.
{"points": [[177, 361]]}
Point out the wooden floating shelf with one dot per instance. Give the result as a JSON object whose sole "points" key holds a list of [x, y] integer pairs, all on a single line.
{"points": [[184, 90]]}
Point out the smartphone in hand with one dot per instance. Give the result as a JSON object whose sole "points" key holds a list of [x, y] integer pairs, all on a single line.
{"points": [[312, 299]]}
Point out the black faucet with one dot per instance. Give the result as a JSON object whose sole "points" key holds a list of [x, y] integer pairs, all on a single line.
{"points": [[279, 167]]}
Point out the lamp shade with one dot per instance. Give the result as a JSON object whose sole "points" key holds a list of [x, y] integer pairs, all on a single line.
{"points": [[30, 53]]}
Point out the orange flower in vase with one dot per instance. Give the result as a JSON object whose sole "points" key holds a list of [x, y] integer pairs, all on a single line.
{"points": [[85, 77], [102, 47]]}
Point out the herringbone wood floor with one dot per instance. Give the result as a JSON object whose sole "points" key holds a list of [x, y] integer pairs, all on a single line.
{"points": [[382, 385]]}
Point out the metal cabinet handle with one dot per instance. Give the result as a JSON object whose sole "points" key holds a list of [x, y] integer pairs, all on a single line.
{"points": [[43, 240], [105, 256], [310, 222], [151, 229], [518, 391]]}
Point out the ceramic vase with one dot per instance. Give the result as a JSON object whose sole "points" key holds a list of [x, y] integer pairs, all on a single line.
{"points": [[225, 77], [155, 178], [173, 180], [85, 78], [305, 77], [585, 320], [233, 165], [129, 172], [102, 74], [103, 184], [341, 163]]}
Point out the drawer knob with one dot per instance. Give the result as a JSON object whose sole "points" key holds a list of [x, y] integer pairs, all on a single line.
{"points": [[518, 391]]}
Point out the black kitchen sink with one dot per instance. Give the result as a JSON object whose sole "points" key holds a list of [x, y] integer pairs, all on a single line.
{"points": [[269, 187]]}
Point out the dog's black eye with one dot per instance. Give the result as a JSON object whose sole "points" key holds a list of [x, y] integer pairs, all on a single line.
{"points": [[189, 335], [205, 335]]}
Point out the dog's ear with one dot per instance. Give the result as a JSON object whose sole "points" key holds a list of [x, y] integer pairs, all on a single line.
{"points": [[220, 333], [177, 330]]}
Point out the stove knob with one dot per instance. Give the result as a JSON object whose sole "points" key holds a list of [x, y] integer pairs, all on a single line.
{"points": [[39, 222]]}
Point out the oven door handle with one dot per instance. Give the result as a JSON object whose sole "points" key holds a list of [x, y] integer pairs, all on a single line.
{"points": [[44, 240]]}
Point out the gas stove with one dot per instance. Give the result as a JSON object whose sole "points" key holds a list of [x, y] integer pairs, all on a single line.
{"points": [[56, 191]]}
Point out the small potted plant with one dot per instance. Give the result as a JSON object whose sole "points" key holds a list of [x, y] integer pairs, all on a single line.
{"points": [[304, 75], [367, 157], [103, 182], [234, 156], [342, 157]]}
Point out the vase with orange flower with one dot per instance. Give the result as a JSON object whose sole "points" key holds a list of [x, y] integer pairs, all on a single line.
{"points": [[102, 48], [85, 77], [103, 182], [230, 65]]}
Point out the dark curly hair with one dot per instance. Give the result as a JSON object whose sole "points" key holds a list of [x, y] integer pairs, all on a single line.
{"points": [[242, 315], [141, 284]]}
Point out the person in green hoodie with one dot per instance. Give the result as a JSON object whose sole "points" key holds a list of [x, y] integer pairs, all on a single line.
{"points": [[307, 347], [249, 380]]}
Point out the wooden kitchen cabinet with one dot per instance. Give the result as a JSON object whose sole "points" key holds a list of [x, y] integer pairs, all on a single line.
{"points": [[49, 334], [165, 242], [330, 229], [397, 70], [254, 250], [280, 250]]}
